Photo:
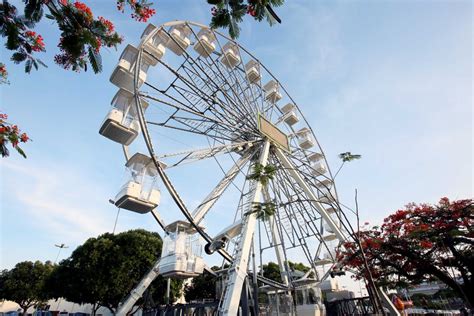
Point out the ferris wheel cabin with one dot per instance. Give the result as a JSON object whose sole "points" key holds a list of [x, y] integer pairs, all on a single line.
{"points": [[123, 75], [230, 55], [139, 194], [330, 237], [289, 114], [305, 138], [325, 184], [326, 259], [155, 46], [327, 199], [179, 40], [315, 157], [328, 228], [121, 123], [307, 302], [181, 253], [252, 69], [205, 44], [319, 168], [272, 91]]}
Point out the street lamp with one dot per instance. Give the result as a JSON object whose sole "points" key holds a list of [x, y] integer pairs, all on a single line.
{"points": [[60, 246]]}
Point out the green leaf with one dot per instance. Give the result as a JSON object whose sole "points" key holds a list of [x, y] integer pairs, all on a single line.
{"points": [[234, 29], [28, 66], [95, 60], [18, 57], [41, 63], [270, 19], [20, 151], [277, 3], [221, 19], [215, 2], [34, 10]]}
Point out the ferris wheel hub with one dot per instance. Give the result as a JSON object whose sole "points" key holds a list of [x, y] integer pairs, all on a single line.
{"points": [[273, 133]]}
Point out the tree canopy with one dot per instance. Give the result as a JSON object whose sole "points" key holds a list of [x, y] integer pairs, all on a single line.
{"points": [[271, 270], [420, 243], [83, 34], [105, 269], [201, 287], [25, 283]]}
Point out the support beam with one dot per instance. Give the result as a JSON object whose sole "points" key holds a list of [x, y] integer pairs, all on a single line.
{"points": [[388, 303], [309, 193], [238, 271], [138, 291], [276, 239], [212, 198]]}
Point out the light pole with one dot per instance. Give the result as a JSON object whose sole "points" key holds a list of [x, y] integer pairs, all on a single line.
{"points": [[60, 246]]}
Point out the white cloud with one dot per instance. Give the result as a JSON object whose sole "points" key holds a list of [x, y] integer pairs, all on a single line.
{"points": [[65, 201]]}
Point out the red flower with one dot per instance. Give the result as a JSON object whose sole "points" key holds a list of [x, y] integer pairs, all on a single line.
{"points": [[24, 138], [108, 25], [35, 40], [83, 8], [426, 244], [99, 45], [251, 10]]}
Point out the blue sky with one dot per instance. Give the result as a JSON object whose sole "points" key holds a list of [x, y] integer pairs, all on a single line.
{"points": [[390, 80]]}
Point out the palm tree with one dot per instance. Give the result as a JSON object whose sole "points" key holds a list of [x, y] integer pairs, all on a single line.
{"points": [[346, 157]]}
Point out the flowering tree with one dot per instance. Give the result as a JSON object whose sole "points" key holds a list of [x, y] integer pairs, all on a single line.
{"points": [[10, 133], [420, 243], [83, 35]]}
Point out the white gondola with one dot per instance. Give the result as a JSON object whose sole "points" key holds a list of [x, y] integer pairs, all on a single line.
{"points": [[123, 74], [205, 44], [155, 46], [327, 258], [230, 55], [323, 261], [314, 157], [181, 254], [272, 91], [308, 298], [329, 285], [325, 184], [252, 69], [139, 194], [289, 114], [330, 237], [329, 228], [319, 168], [179, 40], [331, 210], [121, 123], [326, 199], [305, 138]]}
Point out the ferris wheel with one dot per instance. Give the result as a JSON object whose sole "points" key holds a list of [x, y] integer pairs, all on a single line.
{"points": [[274, 198]]}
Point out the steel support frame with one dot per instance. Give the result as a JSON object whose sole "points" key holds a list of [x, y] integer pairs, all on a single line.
{"points": [[212, 198], [276, 239], [238, 270], [314, 200], [138, 291], [312, 197]]}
